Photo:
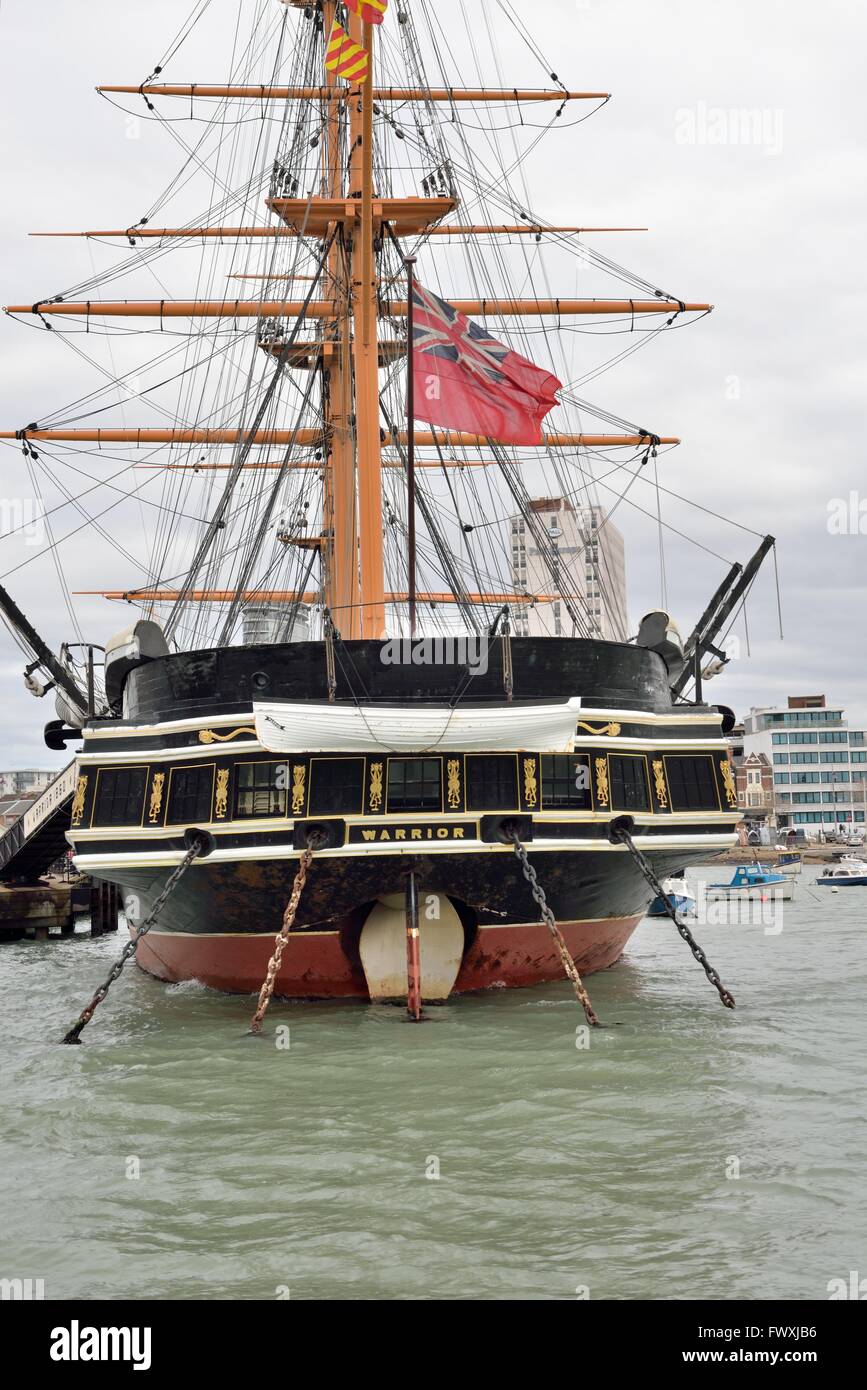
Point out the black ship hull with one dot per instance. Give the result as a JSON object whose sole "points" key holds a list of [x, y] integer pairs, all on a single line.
{"points": [[244, 745]]}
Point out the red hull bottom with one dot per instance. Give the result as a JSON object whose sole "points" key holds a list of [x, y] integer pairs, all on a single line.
{"points": [[315, 966]]}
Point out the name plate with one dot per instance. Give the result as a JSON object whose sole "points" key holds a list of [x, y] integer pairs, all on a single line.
{"points": [[412, 833]]}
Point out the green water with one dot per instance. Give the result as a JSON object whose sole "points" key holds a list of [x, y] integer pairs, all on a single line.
{"points": [[265, 1168]]}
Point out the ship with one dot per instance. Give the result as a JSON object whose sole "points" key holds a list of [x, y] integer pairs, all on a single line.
{"points": [[335, 660]]}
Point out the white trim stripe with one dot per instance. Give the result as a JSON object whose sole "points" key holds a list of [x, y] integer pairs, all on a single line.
{"points": [[95, 862]]}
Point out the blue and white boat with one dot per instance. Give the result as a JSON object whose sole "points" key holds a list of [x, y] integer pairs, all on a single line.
{"points": [[789, 863], [754, 881], [848, 873], [677, 894]]}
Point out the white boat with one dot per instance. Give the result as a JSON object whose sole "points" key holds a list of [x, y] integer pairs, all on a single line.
{"points": [[848, 872], [678, 894]]}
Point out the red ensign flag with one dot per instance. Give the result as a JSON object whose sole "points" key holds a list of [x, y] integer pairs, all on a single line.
{"points": [[465, 380], [371, 11]]}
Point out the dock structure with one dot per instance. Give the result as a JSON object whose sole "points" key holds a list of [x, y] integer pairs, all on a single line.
{"points": [[31, 904]]}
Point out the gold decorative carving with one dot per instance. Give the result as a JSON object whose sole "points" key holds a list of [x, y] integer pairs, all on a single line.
{"points": [[78, 800], [611, 729], [299, 790], [728, 777], [602, 782], [221, 803], [209, 736], [156, 800], [531, 786], [376, 786], [453, 770], [659, 783]]}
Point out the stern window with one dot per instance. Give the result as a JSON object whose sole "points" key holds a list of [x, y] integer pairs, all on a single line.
{"points": [[336, 786], [565, 781], [120, 796], [190, 793], [492, 783], [692, 784], [629, 789], [260, 789], [414, 784]]}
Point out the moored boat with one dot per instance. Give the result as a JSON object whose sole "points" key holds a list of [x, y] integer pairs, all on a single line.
{"points": [[848, 872], [754, 882], [676, 894]]}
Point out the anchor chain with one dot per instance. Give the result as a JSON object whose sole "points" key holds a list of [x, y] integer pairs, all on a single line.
{"points": [[73, 1036], [541, 901], [282, 937], [619, 834]]}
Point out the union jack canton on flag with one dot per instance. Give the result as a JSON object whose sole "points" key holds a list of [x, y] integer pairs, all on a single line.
{"points": [[465, 380]]}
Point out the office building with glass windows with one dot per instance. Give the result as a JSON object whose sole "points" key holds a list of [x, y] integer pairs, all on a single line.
{"points": [[819, 764]]}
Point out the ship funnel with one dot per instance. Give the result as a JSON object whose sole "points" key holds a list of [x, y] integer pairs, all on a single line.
{"points": [[660, 633], [144, 641]]}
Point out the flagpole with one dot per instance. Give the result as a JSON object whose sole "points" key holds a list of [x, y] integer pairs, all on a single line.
{"points": [[409, 264]]}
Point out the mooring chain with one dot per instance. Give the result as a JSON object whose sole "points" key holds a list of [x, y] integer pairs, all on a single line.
{"points": [[623, 836], [541, 901], [73, 1036], [282, 936]]}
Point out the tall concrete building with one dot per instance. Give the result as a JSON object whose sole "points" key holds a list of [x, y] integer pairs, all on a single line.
{"points": [[819, 764], [586, 554]]}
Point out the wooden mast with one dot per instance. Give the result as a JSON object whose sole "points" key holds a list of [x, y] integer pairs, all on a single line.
{"points": [[347, 350], [370, 621], [339, 503]]}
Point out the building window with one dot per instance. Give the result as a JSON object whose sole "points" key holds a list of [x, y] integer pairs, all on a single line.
{"points": [[803, 738], [835, 757], [120, 796], [802, 777], [781, 757], [629, 787], [336, 786], [803, 798], [492, 783], [260, 789], [781, 778], [414, 784], [834, 736], [565, 781], [858, 757], [779, 738], [692, 784], [190, 793], [856, 739], [808, 757]]}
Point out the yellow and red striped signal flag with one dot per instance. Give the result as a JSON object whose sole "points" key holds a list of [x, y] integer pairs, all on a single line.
{"points": [[371, 11], [345, 58]]}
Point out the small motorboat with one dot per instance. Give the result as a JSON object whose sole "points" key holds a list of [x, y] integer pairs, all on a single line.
{"points": [[754, 881], [789, 863], [677, 894], [848, 872]]}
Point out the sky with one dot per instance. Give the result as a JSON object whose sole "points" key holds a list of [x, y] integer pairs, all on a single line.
{"points": [[735, 133]]}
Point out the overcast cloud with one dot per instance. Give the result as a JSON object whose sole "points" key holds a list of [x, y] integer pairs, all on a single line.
{"points": [[767, 394]]}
